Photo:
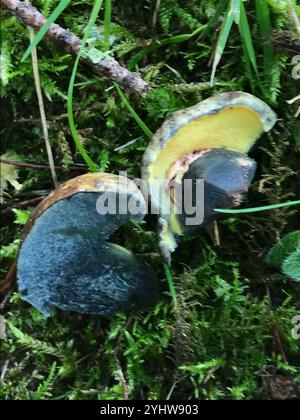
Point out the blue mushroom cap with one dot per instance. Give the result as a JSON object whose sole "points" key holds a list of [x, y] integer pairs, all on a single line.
{"points": [[65, 262], [227, 175]]}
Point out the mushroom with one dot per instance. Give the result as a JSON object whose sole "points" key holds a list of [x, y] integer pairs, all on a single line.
{"points": [[65, 260], [208, 141]]}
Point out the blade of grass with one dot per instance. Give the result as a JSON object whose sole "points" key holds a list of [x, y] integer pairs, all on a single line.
{"points": [[248, 69], [94, 14], [138, 120], [262, 208], [233, 14], [162, 43], [107, 21], [39, 94], [264, 21], [247, 39], [219, 10], [41, 33], [167, 273], [171, 286]]}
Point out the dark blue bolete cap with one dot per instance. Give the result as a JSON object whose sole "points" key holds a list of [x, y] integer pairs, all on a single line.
{"points": [[227, 175], [66, 262]]}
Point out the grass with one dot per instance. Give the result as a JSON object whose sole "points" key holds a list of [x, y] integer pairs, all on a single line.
{"points": [[263, 17], [177, 39], [94, 14], [107, 23], [262, 208], [132, 112], [223, 326], [41, 33], [171, 286], [232, 14]]}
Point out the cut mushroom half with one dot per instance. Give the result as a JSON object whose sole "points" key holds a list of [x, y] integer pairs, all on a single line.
{"points": [[208, 141], [66, 261]]}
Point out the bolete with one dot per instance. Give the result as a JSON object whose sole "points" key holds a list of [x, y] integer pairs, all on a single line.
{"points": [[208, 142], [66, 261]]}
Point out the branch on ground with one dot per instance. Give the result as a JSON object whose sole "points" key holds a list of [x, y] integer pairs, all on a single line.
{"points": [[69, 42]]}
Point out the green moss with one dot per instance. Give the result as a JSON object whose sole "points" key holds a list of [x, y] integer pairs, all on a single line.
{"points": [[291, 265], [222, 341]]}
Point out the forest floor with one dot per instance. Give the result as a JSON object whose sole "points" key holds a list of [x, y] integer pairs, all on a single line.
{"points": [[231, 334]]}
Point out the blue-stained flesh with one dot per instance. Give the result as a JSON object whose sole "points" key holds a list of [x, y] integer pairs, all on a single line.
{"points": [[66, 262], [227, 176]]}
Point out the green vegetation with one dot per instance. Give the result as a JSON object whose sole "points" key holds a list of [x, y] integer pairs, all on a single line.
{"points": [[286, 255], [223, 326]]}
